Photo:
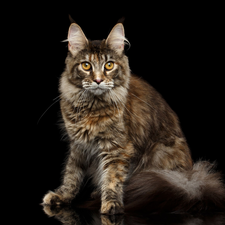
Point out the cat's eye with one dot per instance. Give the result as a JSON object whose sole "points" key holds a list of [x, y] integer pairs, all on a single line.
{"points": [[86, 66], [109, 65]]}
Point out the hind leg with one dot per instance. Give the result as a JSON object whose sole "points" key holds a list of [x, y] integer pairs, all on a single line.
{"points": [[176, 156]]}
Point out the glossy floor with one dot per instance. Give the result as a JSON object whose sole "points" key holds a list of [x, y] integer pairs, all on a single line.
{"points": [[70, 216]]}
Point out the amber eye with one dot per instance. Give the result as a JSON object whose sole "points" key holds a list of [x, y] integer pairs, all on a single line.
{"points": [[86, 66], [109, 65]]}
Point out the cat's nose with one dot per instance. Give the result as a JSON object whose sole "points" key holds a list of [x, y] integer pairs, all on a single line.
{"points": [[98, 80]]}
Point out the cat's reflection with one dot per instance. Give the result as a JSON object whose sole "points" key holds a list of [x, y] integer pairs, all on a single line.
{"points": [[70, 216]]}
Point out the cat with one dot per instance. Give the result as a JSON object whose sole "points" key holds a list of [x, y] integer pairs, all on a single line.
{"points": [[124, 137]]}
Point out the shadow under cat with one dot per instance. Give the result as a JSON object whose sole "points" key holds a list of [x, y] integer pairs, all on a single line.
{"points": [[77, 216]]}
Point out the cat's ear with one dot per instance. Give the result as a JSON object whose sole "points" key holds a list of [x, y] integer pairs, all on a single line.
{"points": [[76, 38], [116, 38]]}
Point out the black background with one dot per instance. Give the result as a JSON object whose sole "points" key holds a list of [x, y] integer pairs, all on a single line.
{"points": [[176, 48]]}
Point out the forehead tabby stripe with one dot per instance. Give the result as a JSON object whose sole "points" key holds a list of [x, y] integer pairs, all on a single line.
{"points": [[93, 57], [96, 57]]}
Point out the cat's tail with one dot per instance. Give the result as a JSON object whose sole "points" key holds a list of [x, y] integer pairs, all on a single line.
{"points": [[171, 191]]}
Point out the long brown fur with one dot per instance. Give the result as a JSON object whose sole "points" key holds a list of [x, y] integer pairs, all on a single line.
{"points": [[124, 137]]}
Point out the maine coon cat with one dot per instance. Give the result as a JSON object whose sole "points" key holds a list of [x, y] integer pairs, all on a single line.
{"points": [[124, 137]]}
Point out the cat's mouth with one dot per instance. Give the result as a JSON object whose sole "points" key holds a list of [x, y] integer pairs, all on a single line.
{"points": [[98, 89]]}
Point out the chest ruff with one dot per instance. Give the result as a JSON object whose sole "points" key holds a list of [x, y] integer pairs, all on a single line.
{"points": [[94, 123]]}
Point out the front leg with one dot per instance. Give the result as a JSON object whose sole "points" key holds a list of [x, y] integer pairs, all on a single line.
{"points": [[72, 179], [115, 169]]}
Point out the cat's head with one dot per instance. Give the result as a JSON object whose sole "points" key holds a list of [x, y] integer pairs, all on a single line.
{"points": [[95, 66]]}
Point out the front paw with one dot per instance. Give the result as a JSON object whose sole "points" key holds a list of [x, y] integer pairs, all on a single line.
{"points": [[52, 198], [111, 208]]}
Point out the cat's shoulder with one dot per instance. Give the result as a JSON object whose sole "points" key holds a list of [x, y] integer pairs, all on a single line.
{"points": [[138, 83]]}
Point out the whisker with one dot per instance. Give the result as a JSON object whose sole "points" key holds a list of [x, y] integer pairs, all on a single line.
{"points": [[56, 97], [48, 109]]}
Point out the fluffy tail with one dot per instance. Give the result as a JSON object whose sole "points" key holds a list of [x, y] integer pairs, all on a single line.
{"points": [[200, 189]]}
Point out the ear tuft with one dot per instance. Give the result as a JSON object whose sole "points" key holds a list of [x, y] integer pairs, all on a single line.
{"points": [[76, 38], [116, 38]]}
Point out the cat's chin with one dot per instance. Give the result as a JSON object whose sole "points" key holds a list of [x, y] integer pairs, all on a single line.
{"points": [[98, 91]]}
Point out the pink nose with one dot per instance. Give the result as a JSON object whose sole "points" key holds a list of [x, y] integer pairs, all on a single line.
{"points": [[98, 80]]}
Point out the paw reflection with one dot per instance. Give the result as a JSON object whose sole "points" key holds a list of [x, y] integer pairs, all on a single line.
{"points": [[112, 219], [65, 214], [76, 216], [51, 210]]}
